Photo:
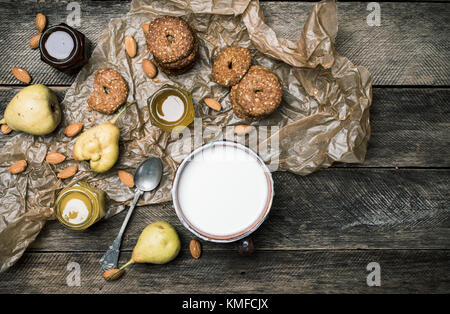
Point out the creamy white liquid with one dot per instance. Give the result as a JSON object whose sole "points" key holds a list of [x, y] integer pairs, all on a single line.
{"points": [[59, 45], [75, 212], [223, 190], [172, 109]]}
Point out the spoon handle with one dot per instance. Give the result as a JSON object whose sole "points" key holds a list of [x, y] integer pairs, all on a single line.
{"points": [[111, 257]]}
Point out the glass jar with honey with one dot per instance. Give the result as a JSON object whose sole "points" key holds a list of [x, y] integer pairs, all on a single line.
{"points": [[80, 205], [171, 108]]}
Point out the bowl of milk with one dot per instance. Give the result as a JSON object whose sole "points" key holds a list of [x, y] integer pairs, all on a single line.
{"points": [[222, 191]]}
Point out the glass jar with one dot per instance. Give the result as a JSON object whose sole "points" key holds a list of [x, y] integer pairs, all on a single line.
{"points": [[64, 48], [80, 205], [171, 108]]}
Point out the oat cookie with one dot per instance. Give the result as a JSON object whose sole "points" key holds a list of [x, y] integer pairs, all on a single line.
{"points": [[182, 63], [170, 39], [257, 95], [110, 91], [231, 65]]}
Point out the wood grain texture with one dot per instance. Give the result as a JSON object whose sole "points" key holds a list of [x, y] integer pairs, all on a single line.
{"points": [[330, 209], [424, 271], [410, 47], [324, 228], [409, 127]]}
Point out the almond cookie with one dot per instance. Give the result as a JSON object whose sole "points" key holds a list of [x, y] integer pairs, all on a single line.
{"points": [[170, 39], [231, 65], [257, 95], [110, 91]]}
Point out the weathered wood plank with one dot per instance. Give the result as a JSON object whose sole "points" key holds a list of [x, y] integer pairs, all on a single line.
{"points": [[410, 46], [330, 209], [409, 127], [410, 271]]}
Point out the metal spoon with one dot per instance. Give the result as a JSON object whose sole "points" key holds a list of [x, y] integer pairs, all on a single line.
{"points": [[146, 178]]}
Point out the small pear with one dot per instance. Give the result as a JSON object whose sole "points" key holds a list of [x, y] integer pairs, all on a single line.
{"points": [[99, 145], [158, 244], [34, 110]]}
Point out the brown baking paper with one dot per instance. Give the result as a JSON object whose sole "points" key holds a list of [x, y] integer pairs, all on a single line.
{"points": [[323, 118]]}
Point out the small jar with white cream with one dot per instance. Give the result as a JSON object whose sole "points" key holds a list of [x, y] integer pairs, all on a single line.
{"points": [[64, 48]]}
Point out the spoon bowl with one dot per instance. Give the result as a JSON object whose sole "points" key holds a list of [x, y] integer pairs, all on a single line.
{"points": [[148, 174]]}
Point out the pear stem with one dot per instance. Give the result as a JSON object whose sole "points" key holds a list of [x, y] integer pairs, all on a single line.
{"points": [[3, 121], [127, 264], [114, 120], [120, 269]]}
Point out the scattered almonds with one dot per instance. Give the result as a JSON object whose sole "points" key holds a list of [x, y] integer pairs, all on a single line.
{"points": [[34, 41], [196, 249], [149, 68], [18, 167], [126, 178], [145, 28], [130, 46], [6, 129], [41, 21], [213, 104], [68, 172], [243, 129], [21, 74], [113, 274], [73, 129], [55, 158]]}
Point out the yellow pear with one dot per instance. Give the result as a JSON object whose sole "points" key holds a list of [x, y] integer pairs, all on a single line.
{"points": [[99, 145], [34, 110], [158, 244]]}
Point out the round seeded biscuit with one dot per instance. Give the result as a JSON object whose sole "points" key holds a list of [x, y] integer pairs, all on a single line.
{"points": [[176, 71], [231, 65], [183, 63], [257, 95], [110, 91], [170, 39]]}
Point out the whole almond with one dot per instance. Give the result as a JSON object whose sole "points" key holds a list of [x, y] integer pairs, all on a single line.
{"points": [[18, 167], [113, 274], [243, 129], [5, 129], [145, 28], [73, 129], [21, 74], [55, 158], [41, 21], [68, 172], [213, 104], [195, 248], [34, 41], [130, 46], [126, 178], [149, 68]]}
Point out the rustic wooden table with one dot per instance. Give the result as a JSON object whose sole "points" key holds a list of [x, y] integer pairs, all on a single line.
{"points": [[324, 228]]}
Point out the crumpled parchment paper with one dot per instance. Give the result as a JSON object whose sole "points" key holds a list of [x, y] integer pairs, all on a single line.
{"points": [[324, 116]]}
